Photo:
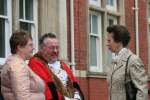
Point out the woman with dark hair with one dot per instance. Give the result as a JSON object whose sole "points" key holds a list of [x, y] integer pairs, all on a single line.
{"points": [[18, 81], [125, 66]]}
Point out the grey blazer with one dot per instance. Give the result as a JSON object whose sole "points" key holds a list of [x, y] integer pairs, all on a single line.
{"points": [[116, 77]]}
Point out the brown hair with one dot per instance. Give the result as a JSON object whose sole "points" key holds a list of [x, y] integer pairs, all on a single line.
{"points": [[120, 34], [19, 38], [46, 35]]}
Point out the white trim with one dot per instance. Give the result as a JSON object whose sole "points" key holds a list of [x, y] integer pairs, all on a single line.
{"points": [[27, 21], [137, 27], [80, 73], [99, 67], [3, 16], [63, 28], [149, 20], [148, 11], [8, 30], [72, 36], [92, 34], [149, 49], [85, 74], [96, 3], [24, 12], [35, 18]]}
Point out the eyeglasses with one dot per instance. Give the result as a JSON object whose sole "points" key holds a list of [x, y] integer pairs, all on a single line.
{"points": [[53, 47]]}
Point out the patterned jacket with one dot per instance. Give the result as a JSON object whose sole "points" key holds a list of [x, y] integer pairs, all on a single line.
{"points": [[116, 77]]}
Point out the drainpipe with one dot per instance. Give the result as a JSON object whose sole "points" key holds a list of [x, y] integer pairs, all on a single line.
{"points": [[72, 35], [136, 27]]}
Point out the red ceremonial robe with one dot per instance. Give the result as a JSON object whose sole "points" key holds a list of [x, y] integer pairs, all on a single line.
{"points": [[40, 66]]}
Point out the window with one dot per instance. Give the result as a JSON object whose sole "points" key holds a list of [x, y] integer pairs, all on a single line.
{"points": [[149, 38], [110, 2], [28, 18], [149, 12], [99, 55], [95, 42], [95, 2], [5, 29], [111, 5], [110, 21]]}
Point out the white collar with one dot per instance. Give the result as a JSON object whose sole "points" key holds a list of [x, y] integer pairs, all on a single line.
{"points": [[55, 65], [120, 54]]}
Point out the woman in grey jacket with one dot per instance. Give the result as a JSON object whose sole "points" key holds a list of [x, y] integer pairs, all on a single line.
{"points": [[18, 81], [118, 39]]}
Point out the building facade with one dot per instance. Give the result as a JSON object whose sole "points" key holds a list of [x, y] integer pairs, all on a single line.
{"points": [[91, 17], [81, 29]]}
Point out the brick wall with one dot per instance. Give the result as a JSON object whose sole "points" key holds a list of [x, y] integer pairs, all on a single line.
{"points": [[80, 31], [96, 88], [143, 31], [80, 25], [130, 23]]}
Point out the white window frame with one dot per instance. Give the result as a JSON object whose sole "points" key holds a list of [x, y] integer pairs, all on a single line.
{"points": [[148, 13], [112, 8], [96, 3], [115, 22], [148, 39], [34, 22], [8, 30], [99, 67], [149, 47]]}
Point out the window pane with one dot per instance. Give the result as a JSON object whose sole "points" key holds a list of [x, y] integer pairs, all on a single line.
{"points": [[29, 9], [90, 23], [107, 2], [93, 51], [95, 2], [110, 2], [149, 11], [94, 24], [149, 30], [3, 7], [109, 57], [111, 22], [149, 37], [21, 9], [25, 26], [2, 38]]}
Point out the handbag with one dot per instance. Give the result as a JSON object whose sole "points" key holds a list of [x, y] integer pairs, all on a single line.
{"points": [[130, 88]]}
